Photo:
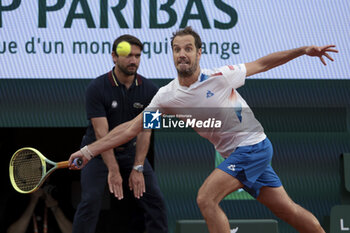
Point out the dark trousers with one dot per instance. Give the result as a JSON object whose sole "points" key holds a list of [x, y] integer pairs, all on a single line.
{"points": [[93, 183]]}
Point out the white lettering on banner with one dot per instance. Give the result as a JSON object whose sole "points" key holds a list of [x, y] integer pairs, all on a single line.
{"points": [[193, 123], [342, 227]]}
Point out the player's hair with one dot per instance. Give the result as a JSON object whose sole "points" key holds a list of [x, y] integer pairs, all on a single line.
{"points": [[128, 38], [187, 31]]}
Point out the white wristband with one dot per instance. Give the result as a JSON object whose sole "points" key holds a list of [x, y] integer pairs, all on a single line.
{"points": [[87, 153]]}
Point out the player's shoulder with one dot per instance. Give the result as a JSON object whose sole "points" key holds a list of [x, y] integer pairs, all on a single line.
{"points": [[170, 87], [220, 71]]}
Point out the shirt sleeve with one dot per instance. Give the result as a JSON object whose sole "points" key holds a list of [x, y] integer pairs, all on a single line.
{"points": [[156, 101], [94, 102], [234, 75]]}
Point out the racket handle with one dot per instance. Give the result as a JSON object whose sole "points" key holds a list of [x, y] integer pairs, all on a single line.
{"points": [[78, 162]]}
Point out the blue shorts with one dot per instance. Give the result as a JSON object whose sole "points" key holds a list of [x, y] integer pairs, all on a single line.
{"points": [[251, 166]]}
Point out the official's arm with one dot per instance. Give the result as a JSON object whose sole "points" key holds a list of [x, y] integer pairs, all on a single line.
{"points": [[115, 180], [136, 179]]}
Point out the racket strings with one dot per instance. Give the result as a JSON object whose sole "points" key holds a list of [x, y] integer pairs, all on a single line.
{"points": [[28, 170]]}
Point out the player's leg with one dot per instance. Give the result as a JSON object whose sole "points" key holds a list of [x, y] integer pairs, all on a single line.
{"points": [[153, 203], [218, 185], [278, 201], [93, 182]]}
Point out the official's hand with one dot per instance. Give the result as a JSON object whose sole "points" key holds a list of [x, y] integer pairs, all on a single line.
{"points": [[115, 183], [320, 51], [80, 155], [137, 183]]}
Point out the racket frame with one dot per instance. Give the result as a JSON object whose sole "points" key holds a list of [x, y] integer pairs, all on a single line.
{"points": [[44, 175]]}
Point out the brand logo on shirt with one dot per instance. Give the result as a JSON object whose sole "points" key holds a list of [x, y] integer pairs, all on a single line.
{"points": [[137, 105], [114, 104], [234, 230], [232, 167], [209, 94], [151, 120]]}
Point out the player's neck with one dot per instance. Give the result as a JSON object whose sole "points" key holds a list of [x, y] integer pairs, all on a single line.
{"points": [[189, 80]]}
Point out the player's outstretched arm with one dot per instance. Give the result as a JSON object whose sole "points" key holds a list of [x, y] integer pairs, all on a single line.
{"points": [[279, 58], [116, 137]]}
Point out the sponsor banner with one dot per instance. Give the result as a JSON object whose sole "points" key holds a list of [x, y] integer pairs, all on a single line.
{"points": [[73, 39]]}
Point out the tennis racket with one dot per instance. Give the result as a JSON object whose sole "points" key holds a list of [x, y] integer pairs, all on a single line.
{"points": [[29, 169]]}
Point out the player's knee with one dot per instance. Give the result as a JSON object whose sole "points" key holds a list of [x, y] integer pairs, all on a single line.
{"points": [[203, 201]]}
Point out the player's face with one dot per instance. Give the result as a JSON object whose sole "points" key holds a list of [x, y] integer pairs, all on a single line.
{"points": [[186, 56], [129, 64]]}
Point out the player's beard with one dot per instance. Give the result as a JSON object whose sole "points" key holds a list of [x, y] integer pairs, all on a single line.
{"points": [[189, 71], [125, 69]]}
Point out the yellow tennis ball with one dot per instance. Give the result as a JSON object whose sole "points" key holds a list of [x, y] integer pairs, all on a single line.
{"points": [[123, 48]]}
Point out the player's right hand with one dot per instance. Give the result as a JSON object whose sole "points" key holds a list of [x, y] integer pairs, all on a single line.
{"points": [[75, 155]]}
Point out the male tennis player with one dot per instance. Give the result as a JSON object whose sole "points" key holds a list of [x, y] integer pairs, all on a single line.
{"points": [[242, 142]]}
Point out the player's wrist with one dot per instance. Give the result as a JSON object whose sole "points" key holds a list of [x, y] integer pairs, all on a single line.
{"points": [[87, 153], [138, 168]]}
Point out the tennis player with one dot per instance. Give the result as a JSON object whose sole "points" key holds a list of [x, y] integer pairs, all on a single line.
{"points": [[242, 141]]}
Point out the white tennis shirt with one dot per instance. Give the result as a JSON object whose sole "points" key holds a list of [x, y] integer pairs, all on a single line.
{"points": [[214, 96]]}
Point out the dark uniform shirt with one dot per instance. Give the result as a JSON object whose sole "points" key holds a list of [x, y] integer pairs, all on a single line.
{"points": [[107, 97]]}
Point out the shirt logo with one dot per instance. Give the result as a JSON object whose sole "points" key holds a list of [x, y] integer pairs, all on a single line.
{"points": [[151, 120], [114, 104], [137, 105], [234, 230], [209, 94], [232, 167]]}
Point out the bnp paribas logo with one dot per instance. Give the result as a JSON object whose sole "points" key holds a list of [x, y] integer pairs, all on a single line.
{"points": [[151, 120]]}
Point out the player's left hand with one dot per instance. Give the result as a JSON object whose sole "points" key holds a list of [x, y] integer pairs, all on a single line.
{"points": [[320, 51], [137, 183]]}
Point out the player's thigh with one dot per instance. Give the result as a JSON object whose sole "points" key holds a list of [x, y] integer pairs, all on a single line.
{"points": [[218, 185], [276, 199]]}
